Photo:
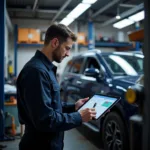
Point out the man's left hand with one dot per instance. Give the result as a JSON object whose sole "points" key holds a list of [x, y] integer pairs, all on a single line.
{"points": [[80, 102]]}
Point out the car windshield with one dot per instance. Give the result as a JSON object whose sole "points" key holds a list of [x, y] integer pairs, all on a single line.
{"points": [[121, 64]]}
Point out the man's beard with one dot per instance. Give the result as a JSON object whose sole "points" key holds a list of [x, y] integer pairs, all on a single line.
{"points": [[56, 55]]}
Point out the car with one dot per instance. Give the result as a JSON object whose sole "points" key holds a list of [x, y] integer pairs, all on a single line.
{"points": [[108, 73]]}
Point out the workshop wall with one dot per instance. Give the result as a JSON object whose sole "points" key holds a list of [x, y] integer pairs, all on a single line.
{"points": [[25, 53]]}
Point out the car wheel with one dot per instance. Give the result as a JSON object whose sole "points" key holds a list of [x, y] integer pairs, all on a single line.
{"points": [[114, 133]]}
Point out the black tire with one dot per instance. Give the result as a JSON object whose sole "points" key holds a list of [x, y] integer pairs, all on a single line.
{"points": [[114, 133]]}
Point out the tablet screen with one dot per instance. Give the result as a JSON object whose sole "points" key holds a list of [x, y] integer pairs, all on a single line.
{"points": [[102, 104]]}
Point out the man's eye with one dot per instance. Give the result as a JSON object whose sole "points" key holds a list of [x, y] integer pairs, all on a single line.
{"points": [[67, 48]]}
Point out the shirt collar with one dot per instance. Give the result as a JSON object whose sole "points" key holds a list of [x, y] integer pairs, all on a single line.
{"points": [[45, 60]]}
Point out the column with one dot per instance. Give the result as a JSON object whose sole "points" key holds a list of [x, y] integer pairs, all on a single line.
{"points": [[15, 49], [2, 50], [91, 39]]}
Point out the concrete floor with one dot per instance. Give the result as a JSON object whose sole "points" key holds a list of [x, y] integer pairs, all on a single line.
{"points": [[75, 139]]}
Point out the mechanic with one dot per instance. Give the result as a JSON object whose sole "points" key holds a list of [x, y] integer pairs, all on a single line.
{"points": [[38, 95]]}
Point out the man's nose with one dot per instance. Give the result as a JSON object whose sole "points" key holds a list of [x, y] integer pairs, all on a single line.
{"points": [[68, 53]]}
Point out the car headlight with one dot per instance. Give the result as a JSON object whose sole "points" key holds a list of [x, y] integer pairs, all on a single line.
{"points": [[135, 94]]}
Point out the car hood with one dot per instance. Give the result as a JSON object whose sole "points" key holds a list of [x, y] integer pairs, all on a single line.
{"points": [[127, 79]]}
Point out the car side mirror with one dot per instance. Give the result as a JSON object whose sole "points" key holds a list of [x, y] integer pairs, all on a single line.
{"points": [[92, 72]]}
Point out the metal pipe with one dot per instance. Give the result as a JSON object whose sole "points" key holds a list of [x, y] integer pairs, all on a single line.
{"points": [[61, 10], [35, 5], [105, 8], [124, 14]]}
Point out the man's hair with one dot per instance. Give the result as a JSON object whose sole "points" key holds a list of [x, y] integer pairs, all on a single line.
{"points": [[59, 31]]}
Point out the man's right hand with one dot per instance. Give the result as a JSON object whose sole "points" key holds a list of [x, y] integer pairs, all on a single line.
{"points": [[87, 114]]}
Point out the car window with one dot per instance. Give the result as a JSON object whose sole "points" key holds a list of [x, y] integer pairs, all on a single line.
{"points": [[68, 66], [76, 67], [125, 64], [92, 63], [114, 66]]}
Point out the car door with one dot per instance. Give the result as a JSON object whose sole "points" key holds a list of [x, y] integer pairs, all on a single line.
{"points": [[73, 80], [91, 85]]}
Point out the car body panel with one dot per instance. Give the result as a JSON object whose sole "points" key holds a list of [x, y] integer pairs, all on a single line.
{"points": [[79, 85]]}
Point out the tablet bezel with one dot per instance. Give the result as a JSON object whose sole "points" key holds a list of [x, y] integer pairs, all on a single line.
{"points": [[111, 96]]}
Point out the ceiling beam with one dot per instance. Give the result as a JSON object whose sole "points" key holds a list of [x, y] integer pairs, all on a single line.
{"points": [[127, 5], [31, 18], [105, 8], [124, 14], [35, 5], [61, 10], [37, 10]]}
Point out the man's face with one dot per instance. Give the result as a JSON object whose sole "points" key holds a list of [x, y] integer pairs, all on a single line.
{"points": [[62, 50]]}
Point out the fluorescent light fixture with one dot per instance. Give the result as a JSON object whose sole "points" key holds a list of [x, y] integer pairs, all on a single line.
{"points": [[89, 1], [123, 23], [138, 16], [118, 17], [77, 11], [67, 21]]}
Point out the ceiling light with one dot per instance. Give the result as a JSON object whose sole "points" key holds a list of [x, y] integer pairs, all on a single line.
{"points": [[137, 17], [118, 14], [77, 11], [123, 23], [118, 17], [67, 21], [89, 1]]}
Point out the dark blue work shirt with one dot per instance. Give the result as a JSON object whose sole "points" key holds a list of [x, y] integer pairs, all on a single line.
{"points": [[40, 108]]}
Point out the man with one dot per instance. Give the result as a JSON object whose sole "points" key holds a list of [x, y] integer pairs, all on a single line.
{"points": [[38, 95]]}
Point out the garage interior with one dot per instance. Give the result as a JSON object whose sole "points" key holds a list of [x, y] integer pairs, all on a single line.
{"points": [[116, 28]]}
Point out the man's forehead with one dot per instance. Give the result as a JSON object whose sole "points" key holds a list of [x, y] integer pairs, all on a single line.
{"points": [[69, 41]]}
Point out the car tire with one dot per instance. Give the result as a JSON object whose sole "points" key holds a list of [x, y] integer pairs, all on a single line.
{"points": [[114, 133]]}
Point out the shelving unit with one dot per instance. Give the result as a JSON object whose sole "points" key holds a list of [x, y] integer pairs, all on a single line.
{"points": [[112, 44], [29, 45], [97, 44]]}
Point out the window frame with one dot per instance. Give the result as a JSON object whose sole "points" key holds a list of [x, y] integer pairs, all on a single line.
{"points": [[74, 61], [86, 60]]}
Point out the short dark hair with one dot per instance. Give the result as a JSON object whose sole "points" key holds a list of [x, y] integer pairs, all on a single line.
{"points": [[59, 31]]}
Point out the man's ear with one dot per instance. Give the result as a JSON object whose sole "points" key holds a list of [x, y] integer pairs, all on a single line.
{"points": [[54, 43]]}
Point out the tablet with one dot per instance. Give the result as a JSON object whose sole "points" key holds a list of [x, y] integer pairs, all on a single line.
{"points": [[102, 103]]}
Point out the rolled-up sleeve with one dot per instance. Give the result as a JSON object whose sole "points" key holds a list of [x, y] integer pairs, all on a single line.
{"points": [[38, 102]]}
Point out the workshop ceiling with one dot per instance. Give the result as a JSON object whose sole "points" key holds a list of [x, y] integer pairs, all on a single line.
{"points": [[48, 9]]}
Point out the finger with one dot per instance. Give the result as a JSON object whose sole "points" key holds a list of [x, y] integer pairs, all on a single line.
{"points": [[94, 113], [85, 99], [92, 117], [93, 109]]}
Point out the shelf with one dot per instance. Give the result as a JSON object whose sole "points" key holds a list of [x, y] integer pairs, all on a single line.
{"points": [[115, 44], [97, 44], [29, 45]]}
